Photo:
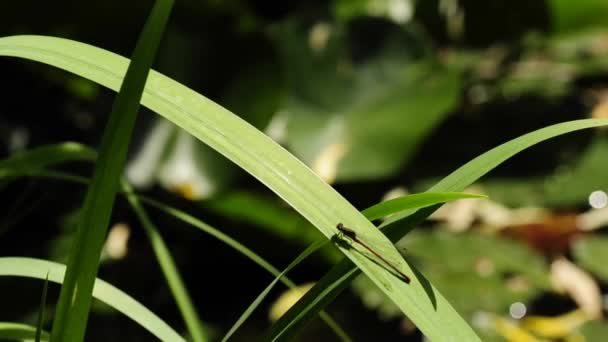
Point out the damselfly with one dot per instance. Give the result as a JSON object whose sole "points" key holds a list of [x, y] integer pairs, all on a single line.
{"points": [[353, 236]]}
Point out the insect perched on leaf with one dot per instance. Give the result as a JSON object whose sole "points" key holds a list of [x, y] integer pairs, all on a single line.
{"points": [[345, 231]]}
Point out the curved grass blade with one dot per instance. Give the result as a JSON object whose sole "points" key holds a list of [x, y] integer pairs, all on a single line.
{"points": [[308, 251], [268, 162], [399, 224], [169, 269], [180, 215], [407, 202], [45, 156], [413, 201], [74, 302], [181, 107], [20, 332], [39, 157], [41, 309], [37, 268], [187, 218], [27, 162], [321, 294]]}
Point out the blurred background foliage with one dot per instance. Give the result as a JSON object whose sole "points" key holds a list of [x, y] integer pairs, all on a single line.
{"points": [[379, 97]]}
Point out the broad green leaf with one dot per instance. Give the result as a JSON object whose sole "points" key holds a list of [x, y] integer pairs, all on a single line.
{"points": [[19, 332], [578, 15], [594, 330], [413, 201], [458, 253], [37, 268], [400, 224], [470, 270], [257, 91], [351, 117], [264, 159], [591, 252], [74, 301]]}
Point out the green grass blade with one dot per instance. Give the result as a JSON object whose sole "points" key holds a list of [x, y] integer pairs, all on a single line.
{"points": [[414, 201], [45, 156], [37, 158], [19, 332], [37, 268], [180, 215], [187, 218], [169, 269], [256, 302], [41, 309], [398, 225], [261, 157], [321, 294], [75, 297], [264, 159], [479, 166]]}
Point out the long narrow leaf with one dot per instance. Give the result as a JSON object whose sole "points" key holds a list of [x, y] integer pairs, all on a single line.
{"points": [[180, 215], [10, 331], [169, 269], [45, 156], [256, 302], [187, 218], [41, 309], [413, 201], [38, 269], [75, 297], [337, 279], [265, 160]]}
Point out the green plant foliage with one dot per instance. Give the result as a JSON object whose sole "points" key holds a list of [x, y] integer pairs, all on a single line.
{"points": [[414, 201], [583, 14], [592, 253], [547, 67], [20, 163], [568, 185], [400, 11], [170, 271], [20, 332], [76, 291], [18, 168], [437, 250], [179, 162], [472, 271], [257, 93], [263, 212], [366, 115], [36, 268], [383, 209], [40, 322], [594, 331], [396, 226], [333, 99], [312, 248], [264, 159]]}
